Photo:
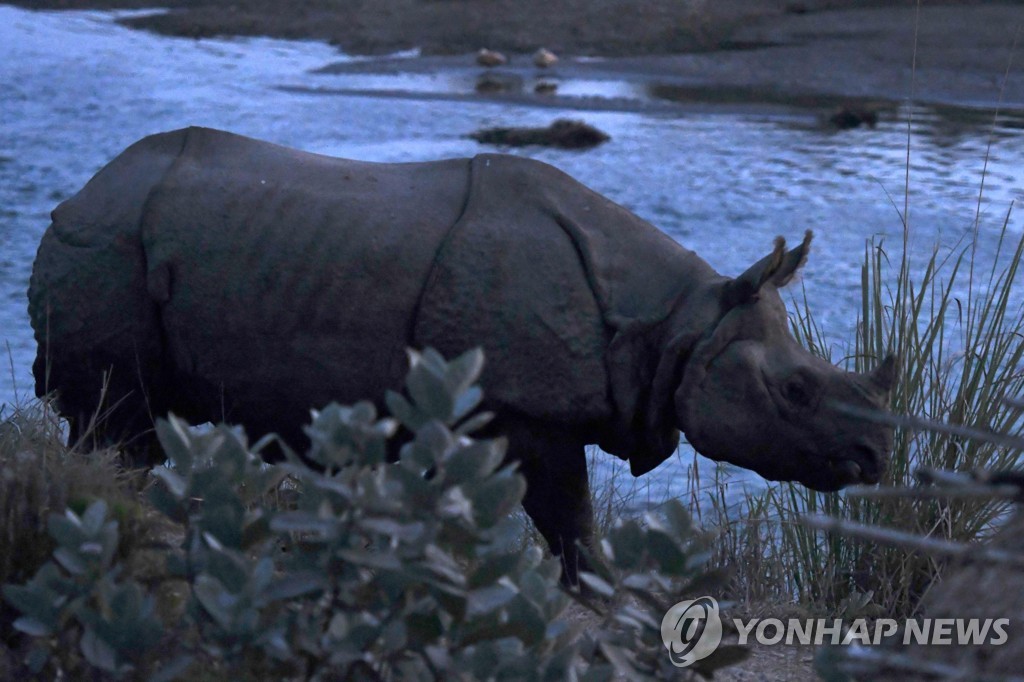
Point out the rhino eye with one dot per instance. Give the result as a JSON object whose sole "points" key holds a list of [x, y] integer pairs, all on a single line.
{"points": [[799, 392]]}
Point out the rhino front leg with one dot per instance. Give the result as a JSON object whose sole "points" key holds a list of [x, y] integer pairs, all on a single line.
{"points": [[557, 490]]}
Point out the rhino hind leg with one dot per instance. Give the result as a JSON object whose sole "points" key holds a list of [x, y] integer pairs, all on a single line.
{"points": [[99, 343], [553, 461], [107, 408]]}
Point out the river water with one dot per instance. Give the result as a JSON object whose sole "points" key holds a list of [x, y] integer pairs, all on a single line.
{"points": [[76, 89]]}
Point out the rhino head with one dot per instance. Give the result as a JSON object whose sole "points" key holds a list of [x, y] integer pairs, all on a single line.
{"points": [[751, 395]]}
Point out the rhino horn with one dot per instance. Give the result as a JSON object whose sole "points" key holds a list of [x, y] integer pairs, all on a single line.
{"points": [[884, 376], [778, 267]]}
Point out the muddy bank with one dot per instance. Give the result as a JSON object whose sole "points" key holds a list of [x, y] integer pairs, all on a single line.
{"points": [[440, 27], [751, 51]]}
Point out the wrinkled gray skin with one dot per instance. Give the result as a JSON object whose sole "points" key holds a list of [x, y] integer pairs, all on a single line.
{"points": [[224, 278]]}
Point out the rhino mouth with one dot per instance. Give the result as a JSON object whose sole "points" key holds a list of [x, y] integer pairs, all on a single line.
{"points": [[863, 466], [849, 470]]}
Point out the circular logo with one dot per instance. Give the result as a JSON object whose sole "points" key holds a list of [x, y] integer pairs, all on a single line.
{"points": [[691, 630]]}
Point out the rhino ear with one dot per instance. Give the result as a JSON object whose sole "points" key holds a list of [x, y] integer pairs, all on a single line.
{"points": [[778, 267], [793, 261], [884, 376]]}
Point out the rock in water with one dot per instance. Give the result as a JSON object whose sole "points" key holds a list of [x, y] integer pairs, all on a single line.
{"points": [[563, 133], [490, 58]]}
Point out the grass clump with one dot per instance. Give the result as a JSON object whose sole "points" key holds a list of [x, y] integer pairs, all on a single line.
{"points": [[38, 475]]}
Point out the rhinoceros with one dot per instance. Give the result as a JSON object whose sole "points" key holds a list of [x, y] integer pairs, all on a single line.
{"points": [[225, 278]]}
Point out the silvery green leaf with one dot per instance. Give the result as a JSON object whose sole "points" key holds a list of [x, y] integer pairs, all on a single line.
{"points": [[176, 442], [173, 669], [66, 529], [487, 599], [496, 497], [175, 484], [364, 412], [391, 528], [593, 556], [167, 504], [215, 600], [395, 637], [455, 504], [255, 531], [264, 442], [466, 402], [549, 569], [678, 519], [37, 658], [526, 621], [386, 427], [629, 623], [492, 569], [439, 656], [666, 551], [98, 652], [560, 663], [641, 616], [404, 411], [464, 370], [34, 600], [262, 574], [90, 549], [627, 543], [93, 518], [435, 437], [534, 588], [531, 558], [304, 522], [637, 581], [370, 559], [339, 626], [556, 629], [442, 563], [31, 626], [599, 672], [129, 602], [597, 584], [230, 452], [433, 361], [621, 659], [70, 561], [697, 560], [476, 460], [230, 567], [212, 542], [474, 423], [296, 584], [430, 394]]}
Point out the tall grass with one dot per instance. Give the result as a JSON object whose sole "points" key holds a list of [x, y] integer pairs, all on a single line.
{"points": [[956, 325]]}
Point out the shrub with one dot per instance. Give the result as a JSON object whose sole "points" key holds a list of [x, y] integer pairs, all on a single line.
{"points": [[341, 565]]}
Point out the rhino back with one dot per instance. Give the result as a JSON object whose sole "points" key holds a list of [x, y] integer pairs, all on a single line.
{"points": [[286, 279]]}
